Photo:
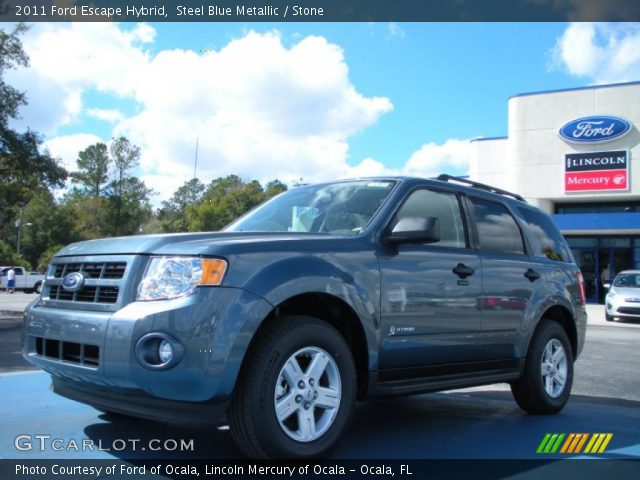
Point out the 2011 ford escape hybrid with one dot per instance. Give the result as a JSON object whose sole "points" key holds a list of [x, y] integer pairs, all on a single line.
{"points": [[323, 295]]}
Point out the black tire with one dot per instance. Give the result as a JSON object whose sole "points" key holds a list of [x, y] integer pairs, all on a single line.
{"points": [[254, 424], [529, 391], [38, 288], [607, 317]]}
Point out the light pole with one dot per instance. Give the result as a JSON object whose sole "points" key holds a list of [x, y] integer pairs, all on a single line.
{"points": [[19, 226]]}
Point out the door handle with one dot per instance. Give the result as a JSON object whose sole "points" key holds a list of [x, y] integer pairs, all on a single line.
{"points": [[462, 270], [532, 275]]}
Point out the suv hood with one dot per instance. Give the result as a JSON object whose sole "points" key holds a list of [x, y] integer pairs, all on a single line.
{"points": [[218, 243]]}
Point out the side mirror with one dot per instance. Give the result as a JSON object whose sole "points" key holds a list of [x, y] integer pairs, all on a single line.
{"points": [[606, 286], [415, 230]]}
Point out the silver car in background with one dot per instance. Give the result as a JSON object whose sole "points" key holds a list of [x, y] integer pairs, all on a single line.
{"points": [[623, 299]]}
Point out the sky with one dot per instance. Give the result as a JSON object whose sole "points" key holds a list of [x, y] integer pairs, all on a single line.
{"points": [[310, 101]]}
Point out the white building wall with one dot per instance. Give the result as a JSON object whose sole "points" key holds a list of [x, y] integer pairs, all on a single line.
{"points": [[493, 168], [531, 160]]}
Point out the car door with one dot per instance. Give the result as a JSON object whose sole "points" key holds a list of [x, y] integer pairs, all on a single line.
{"points": [[509, 276], [20, 277], [430, 292]]}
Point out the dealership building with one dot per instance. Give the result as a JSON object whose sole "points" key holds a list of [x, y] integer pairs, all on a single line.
{"points": [[575, 154]]}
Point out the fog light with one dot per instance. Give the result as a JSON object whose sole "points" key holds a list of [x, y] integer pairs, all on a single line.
{"points": [[158, 351], [165, 351]]}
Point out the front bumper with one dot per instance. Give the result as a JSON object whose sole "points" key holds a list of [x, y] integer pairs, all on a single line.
{"points": [[141, 405], [214, 325], [620, 307]]}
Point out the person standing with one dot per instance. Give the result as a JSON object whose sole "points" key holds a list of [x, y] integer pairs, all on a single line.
{"points": [[11, 280]]}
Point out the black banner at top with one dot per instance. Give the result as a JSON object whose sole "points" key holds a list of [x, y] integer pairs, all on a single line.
{"points": [[318, 10]]}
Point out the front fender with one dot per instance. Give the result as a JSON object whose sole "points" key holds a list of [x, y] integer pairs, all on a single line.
{"points": [[354, 280]]}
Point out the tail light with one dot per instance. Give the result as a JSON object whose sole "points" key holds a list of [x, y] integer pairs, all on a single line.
{"points": [[581, 288]]}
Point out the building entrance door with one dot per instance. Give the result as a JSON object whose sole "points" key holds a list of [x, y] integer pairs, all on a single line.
{"points": [[622, 259], [600, 266], [587, 260], [601, 259]]}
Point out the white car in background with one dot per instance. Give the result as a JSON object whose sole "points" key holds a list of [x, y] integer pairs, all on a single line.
{"points": [[28, 282], [623, 299]]}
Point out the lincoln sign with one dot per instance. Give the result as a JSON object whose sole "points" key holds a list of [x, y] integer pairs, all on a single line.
{"points": [[595, 172]]}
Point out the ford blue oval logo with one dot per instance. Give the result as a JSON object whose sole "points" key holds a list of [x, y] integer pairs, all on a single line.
{"points": [[595, 129], [73, 282]]}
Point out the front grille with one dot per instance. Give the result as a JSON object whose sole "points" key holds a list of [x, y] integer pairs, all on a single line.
{"points": [[97, 270], [90, 294], [629, 310], [78, 353], [102, 281], [108, 282]]}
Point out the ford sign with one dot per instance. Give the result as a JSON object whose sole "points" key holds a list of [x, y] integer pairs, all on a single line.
{"points": [[596, 129]]}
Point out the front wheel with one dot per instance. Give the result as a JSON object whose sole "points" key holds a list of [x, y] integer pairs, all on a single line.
{"points": [[607, 317], [545, 385], [296, 392], [38, 288]]}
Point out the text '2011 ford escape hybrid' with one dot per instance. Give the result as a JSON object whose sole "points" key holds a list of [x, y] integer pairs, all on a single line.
{"points": [[323, 295]]}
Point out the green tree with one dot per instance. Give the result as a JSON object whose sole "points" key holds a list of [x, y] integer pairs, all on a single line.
{"points": [[51, 224], [93, 169], [11, 56], [124, 158], [9, 258], [87, 200], [130, 201], [227, 198], [177, 213], [47, 255], [24, 168], [274, 187]]}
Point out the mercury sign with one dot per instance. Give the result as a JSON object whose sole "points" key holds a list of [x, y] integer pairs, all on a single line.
{"points": [[595, 129], [596, 172]]}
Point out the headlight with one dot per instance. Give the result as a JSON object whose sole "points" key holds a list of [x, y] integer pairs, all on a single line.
{"points": [[173, 277]]}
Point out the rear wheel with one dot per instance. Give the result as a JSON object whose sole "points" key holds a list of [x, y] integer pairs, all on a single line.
{"points": [[296, 392], [545, 385]]}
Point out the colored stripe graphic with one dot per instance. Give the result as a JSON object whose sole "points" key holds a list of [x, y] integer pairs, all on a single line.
{"points": [[567, 444], [598, 443], [574, 443], [552, 442], [556, 446], [582, 442], [543, 443], [593, 440]]}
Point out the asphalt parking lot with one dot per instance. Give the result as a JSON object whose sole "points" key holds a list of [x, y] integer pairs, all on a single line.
{"points": [[476, 423]]}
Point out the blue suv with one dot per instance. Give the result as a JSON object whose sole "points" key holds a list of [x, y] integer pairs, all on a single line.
{"points": [[324, 295]]}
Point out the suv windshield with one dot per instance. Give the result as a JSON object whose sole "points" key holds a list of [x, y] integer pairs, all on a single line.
{"points": [[628, 280], [343, 208]]}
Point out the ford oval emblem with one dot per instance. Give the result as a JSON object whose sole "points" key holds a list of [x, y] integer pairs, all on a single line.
{"points": [[595, 129], [73, 282]]}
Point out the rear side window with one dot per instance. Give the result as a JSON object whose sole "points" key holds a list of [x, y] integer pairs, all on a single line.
{"points": [[498, 232], [442, 205], [547, 240]]}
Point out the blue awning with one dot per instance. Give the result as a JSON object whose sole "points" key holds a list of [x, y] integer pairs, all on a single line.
{"points": [[598, 223]]}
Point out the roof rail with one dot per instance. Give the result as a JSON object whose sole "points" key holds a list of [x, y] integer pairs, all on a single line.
{"points": [[449, 178]]}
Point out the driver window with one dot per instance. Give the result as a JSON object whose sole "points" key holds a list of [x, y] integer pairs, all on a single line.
{"points": [[442, 205]]}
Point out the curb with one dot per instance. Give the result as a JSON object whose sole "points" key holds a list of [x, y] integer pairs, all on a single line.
{"points": [[10, 320]]}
